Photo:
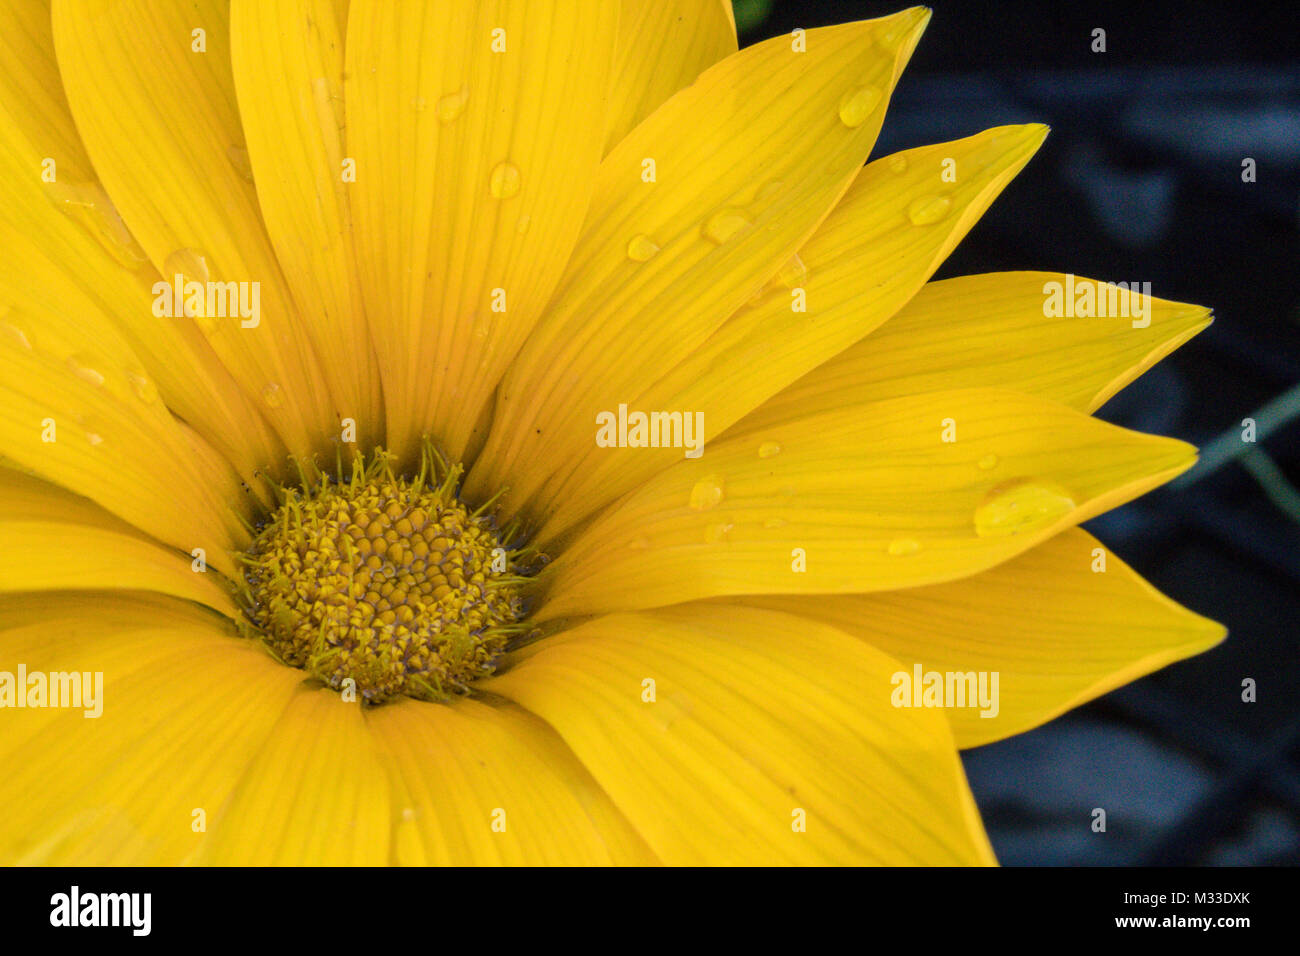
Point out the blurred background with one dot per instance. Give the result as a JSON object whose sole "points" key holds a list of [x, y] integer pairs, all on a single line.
{"points": [[1141, 179]]}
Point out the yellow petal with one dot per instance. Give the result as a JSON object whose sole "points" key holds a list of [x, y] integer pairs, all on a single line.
{"points": [[748, 162], [864, 262], [717, 731], [1061, 624], [87, 428], [288, 67], [314, 795], [494, 785], [134, 74], [476, 129], [184, 708], [73, 276], [51, 539], [995, 330], [865, 497], [663, 47]]}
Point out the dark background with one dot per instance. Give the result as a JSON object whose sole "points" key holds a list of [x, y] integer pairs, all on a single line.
{"points": [[1141, 179]]}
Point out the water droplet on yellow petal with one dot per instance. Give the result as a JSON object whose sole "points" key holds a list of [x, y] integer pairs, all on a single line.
{"points": [[505, 180], [273, 395], [15, 335], [769, 449], [144, 387], [522, 225], [238, 157], [85, 372], [191, 264], [641, 248], [856, 105], [707, 493], [902, 546], [1020, 506], [720, 531], [794, 274], [89, 205], [95, 439], [928, 209], [898, 163], [724, 224], [452, 105], [988, 462]]}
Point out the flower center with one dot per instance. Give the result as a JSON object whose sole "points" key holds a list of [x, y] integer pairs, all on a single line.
{"points": [[388, 582]]}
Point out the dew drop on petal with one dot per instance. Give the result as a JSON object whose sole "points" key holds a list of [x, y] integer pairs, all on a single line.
{"points": [[238, 156], [190, 264], [85, 372], [898, 163], [452, 105], [144, 387], [95, 439], [857, 105], [724, 224], [988, 462], [928, 209], [273, 395], [504, 180], [794, 274], [707, 493], [15, 335], [1019, 506], [89, 205], [719, 531], [524, 222], [903, 546], [769, 449], [641, 248]]}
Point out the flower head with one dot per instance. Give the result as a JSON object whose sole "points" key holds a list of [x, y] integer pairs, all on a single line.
{"points": [[500, 432]]}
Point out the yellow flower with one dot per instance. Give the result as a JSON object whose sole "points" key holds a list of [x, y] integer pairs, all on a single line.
{"points": [[556, 395]]}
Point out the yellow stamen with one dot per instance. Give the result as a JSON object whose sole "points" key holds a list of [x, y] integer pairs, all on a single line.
{"points": [[389, 582]]}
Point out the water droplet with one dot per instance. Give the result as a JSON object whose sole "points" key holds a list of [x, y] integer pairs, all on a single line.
{"points": [[720, 531], [524, 222], [89, 205], [724, 224], [84, 372], [238, 157], [1019, 506], [794, 274], [641, 248], [94, 438], [273, 395], [898, 163], [190, 264], [857, 105], [988, 462], [901, 546], [707, 493], [769, 449], [15, 335], [144, 387], [452, 105], [928, 209], [505, 180]]}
